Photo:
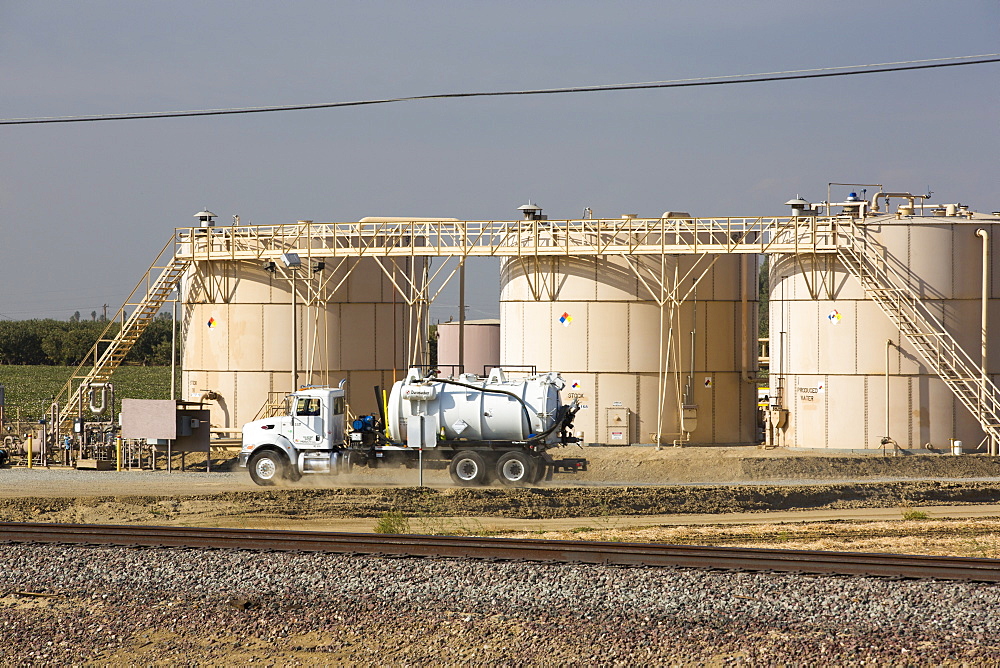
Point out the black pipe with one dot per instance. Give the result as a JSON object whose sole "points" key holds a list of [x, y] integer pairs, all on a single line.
{"points": [[381, 408]]}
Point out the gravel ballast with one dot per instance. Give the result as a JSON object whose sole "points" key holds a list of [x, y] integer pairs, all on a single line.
{"points": [[168, 606]]}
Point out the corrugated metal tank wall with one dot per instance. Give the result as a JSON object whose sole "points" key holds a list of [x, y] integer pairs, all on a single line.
{"points": [[237, 333], [608, 347], [482, 346], [829, 353]]}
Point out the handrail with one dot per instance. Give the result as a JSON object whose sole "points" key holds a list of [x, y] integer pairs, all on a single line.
{"points": [[632, 236], [949, 360], [118, 345]]}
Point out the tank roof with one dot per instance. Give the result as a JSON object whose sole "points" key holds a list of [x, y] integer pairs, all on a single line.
{"points": [[481, 321]]}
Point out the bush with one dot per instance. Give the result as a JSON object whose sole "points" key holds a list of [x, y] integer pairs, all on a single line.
{"points": [[393, 522]]}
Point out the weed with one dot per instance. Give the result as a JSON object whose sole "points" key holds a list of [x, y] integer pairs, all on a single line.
{"points": [[976, 549], [392, 522], [913, 515], [605, 518], [450, 526]]}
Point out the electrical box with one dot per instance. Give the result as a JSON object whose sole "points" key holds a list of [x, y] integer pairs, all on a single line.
{"points": [[185, 424], [690, 415], [422, 431], [619, 426]]}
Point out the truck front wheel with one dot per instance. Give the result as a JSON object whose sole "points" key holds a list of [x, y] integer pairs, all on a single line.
{"points": [[267, 468], [515, 469], [468, 468]]}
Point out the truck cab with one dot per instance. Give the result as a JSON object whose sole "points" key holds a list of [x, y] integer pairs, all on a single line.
{"points": [[308, 438]]}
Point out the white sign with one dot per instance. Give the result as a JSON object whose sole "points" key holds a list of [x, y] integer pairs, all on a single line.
{"points": [[810, 392]]}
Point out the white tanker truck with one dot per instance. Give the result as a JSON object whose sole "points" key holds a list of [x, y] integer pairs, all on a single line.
{"points": [[480, 429]]}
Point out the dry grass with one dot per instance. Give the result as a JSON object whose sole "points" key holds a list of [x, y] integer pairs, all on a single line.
{"points": [[960, 538]]}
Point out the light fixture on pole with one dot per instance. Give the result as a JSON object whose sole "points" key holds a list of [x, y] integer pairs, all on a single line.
{"points": [[292, 262]]}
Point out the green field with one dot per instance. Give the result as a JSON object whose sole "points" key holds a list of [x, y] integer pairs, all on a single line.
{"points": [[30, 389]]}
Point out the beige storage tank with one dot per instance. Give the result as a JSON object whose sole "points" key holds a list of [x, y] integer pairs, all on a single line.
{"points": [[482, 346], [828, 340], [594, 321], [237, 333]]}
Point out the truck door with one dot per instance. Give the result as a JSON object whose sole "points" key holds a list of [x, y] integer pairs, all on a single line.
{"points": [[307, 421], [337, 423]]}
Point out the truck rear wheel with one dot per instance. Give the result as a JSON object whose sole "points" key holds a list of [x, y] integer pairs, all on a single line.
{"points": [[267, 468], [516, 469], [541, 468], [468, 468]]}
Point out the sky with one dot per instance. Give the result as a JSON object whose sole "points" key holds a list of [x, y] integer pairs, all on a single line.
{"points": [[85, 208]]}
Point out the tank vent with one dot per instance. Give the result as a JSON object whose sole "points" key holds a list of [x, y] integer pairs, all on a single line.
{"points": [[800, 207], [532, 211]]}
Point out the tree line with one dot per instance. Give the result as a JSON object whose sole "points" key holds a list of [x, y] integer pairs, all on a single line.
{"points": [[68, 342]]}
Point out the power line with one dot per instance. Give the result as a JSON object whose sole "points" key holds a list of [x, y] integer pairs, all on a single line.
{"points": [[789, 75]]}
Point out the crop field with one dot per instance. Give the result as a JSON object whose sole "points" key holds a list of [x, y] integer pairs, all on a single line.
{"points": [[29, 390]]}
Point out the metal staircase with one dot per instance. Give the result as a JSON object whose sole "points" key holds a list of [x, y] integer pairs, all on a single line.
{"points": [[925, 332], [273, 406], [110, 349]]}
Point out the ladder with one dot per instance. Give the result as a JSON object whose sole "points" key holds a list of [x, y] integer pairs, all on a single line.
{"points": [[107, 354], [925, 332]]}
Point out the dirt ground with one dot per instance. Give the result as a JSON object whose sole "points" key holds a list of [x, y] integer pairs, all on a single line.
{"points": [[746, 496], [607, 466]]}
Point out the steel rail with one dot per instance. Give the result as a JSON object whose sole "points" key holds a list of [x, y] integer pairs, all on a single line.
{"points": [[512, 549]]}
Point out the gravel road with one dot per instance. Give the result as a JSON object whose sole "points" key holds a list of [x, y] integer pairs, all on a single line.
{"points": [[22, 482], [635, 466], [181, 607]]}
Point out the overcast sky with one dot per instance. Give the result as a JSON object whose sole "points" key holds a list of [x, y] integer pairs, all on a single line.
{"points": [[84, 208]]}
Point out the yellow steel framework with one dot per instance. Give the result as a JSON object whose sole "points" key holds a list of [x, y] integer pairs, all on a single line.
{"points": [[521, 238], [111, 347], [526, 241]]}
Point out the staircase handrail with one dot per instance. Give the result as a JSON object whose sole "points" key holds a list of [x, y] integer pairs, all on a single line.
{"points": [[68, 396], [857, 244]]}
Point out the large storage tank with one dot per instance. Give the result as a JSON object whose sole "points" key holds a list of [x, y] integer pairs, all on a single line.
{"points": [[829, 349], [237, 332], [594, 321], [481, 350]]}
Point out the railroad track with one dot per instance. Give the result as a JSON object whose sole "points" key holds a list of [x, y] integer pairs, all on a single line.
{"points": [[512, 549]]}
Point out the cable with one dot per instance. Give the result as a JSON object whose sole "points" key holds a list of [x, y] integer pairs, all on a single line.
{"points": [[789, 75]]}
